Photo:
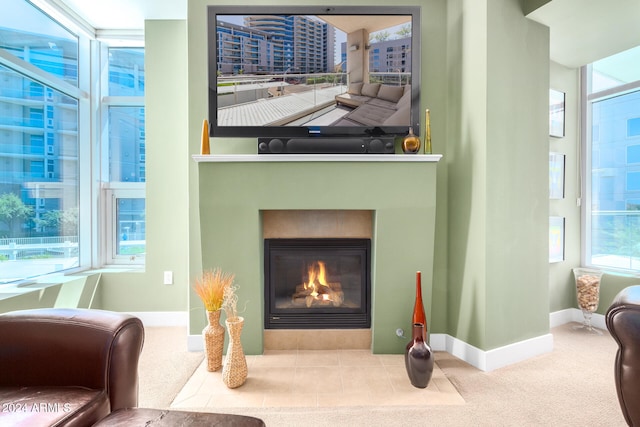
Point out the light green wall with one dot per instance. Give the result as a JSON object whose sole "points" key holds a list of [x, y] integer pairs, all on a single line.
{"points": [[517, 176], [490, 233], [434, 71], [168, 161], [562, 294], [529, 6], [493, 200], [401, 195], [464, 157], [497, 153], [434, 66], [483, 80]]}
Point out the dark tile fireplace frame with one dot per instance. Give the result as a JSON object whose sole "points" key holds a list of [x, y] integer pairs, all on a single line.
{"points": [[318, 318]]}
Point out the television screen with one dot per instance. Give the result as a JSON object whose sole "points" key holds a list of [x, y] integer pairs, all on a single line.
{"points": [[313, 71]]}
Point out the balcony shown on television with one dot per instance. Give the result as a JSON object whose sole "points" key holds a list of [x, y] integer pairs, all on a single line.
{"points": [[351, 69]]}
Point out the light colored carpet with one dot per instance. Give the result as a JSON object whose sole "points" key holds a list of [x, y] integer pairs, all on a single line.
{"points": [[571, 386], [165, 366]]}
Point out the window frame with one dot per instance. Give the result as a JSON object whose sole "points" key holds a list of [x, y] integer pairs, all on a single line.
{"points": [[586, 161], [82, 94], [112, 193], [93, 190], [111, 190]]}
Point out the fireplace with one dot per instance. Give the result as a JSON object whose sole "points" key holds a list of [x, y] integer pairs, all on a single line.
{"points": [[245, 199], [317, 283]]}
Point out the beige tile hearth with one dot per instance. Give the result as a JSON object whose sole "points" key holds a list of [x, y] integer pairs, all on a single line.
{"points": [[317, 378], [317, 339]]}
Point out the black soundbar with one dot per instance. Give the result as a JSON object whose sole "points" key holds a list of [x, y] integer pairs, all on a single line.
{"points": [[323, 145]]}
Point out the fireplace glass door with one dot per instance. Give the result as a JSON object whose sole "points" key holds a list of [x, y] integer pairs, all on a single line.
{"points": [[317, 283]]}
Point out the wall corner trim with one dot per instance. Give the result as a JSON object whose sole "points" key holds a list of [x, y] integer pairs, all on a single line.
{"points": [[485, 360], [496, 358]]}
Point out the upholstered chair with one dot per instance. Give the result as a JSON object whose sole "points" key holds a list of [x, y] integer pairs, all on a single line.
{"points": [[623, 322]]}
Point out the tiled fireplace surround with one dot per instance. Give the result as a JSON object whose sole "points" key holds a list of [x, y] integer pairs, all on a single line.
{"points": [[390, 199], [291, 224]]}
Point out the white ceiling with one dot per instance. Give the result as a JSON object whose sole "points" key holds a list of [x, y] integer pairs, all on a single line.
{"points": [[125, 14], [372, 24], [582, 31]]}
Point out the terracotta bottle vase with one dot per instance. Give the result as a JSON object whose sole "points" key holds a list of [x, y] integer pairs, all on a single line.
{"points": [[418, 358], [418, 308], [213, 335], [234, 373]]}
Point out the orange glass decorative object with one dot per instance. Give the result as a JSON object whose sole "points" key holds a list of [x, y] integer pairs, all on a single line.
{"points": [[204, 146], [411, 143], [418, 308], [418, 358]]}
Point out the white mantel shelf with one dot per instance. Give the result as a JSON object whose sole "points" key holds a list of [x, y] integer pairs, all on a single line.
{"points": [[244, 158]]}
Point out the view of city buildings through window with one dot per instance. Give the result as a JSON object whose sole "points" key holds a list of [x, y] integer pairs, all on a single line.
{"points": [[41, 146], [613, 109], [127, 151]]}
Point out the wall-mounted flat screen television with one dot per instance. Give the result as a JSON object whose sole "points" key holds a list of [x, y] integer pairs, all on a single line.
{"points": [[283, 71]]}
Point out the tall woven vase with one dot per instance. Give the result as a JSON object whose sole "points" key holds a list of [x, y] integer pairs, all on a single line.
{"points": [[213, 335], [234, 372]]}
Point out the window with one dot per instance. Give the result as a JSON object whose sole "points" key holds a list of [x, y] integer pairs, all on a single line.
{"points": [[50, 186], [633, 153], [39, 227], [633, 127], [612, 211], [127, 225], [126, 144], [633, 181], [33, 37], [125, 158]]}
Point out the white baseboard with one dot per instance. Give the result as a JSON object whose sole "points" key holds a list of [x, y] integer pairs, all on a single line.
{"points": [[195, 342], [512, 353], [492, 359], [484, 360], [561, 317], [162, 318]]}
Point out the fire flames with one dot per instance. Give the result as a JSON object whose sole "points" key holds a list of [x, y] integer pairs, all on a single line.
{"points": [[316, 289]]}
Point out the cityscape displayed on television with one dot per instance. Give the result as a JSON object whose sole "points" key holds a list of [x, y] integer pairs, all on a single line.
{"points": [[311, 69]]}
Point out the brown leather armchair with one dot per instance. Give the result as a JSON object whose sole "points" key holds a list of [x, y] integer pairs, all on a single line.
{"points": [[623, 322], [67, 367]]}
